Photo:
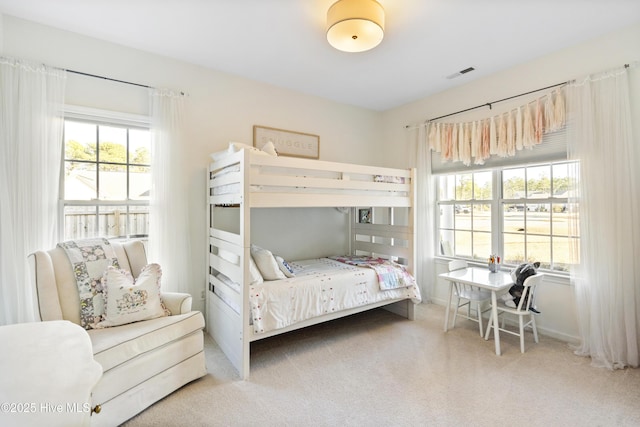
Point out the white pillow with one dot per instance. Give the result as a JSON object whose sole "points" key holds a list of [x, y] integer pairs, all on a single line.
{"points": [[255, 276], [219, 155], [128, 300], [234, 147], [266, 263], [270, 149], [284, 266], [267, 149]]}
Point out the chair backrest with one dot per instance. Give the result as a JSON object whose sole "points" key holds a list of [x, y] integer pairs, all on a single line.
{"points": [[460, 289], [457, 264], [56, 285], [530, 284]]}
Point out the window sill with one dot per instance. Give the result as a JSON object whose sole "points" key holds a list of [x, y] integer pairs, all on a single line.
{"points": [[552, 276]]}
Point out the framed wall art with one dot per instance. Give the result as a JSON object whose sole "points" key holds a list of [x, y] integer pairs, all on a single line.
{"points": [[287, 142], [364, 216]]}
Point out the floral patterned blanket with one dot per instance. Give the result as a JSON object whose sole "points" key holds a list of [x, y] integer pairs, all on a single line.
{"points": [[89, 259], [391, 275]]}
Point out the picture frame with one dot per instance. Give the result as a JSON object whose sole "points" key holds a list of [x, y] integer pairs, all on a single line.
{"points": [[288, 143], [364, 216]]}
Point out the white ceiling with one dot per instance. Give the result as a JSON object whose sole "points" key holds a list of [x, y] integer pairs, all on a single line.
{"points": [[283, 42]]}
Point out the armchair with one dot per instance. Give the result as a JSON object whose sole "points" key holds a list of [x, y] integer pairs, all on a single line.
{"points": [[142, 362]]}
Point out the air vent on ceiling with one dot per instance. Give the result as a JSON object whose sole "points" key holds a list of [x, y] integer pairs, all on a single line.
{"points": [[461, 72]]}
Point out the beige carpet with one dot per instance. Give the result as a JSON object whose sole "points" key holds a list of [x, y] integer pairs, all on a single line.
{"points": [[378, 369]]}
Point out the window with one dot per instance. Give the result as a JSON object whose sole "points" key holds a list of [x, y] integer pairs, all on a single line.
{"points": [[520, 213], [465, 214], [106, 179]]}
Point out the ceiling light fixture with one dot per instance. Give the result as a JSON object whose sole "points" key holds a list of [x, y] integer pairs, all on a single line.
{"points": [[355, 25]]}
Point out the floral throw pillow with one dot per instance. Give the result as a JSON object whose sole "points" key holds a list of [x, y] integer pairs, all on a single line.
{"points": [[128, 300]]}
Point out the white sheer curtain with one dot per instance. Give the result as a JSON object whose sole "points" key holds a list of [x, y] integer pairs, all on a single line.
{"points": [[169, 242], [31, 99], [607, 280], [425, 226]]}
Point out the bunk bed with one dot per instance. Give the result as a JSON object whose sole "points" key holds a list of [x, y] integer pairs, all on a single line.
{"points": [[239, 182]]}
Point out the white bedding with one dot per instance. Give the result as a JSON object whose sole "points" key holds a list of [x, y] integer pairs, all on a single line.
{"points": [[320, 286], [225, 294]]}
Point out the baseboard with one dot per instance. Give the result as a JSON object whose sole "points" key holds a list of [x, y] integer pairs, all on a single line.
{"points": [[552, 333]]}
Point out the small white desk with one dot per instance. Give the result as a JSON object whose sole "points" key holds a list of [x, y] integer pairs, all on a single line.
{"points": [[482, 278]]}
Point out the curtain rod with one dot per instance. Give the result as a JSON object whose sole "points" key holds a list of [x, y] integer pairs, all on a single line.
{"points": [[489, 104], [116, 80], [108, 78]]}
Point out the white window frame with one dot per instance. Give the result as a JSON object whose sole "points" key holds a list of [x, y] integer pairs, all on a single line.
{"points": [[497, 204], [100, 117]]}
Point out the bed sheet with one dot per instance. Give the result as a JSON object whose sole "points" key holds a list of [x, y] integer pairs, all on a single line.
{"points": [[320, 286]]}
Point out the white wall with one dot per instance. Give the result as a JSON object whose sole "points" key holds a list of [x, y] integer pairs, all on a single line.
{"points": [[223, 107], [555, 298], [220, 108]]}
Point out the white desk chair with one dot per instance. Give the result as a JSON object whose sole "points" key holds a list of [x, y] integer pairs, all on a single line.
{"points": [[521, 311], [466, 295]]}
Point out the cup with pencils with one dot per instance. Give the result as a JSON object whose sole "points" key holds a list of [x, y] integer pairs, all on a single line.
{"points": [[494, 263]]}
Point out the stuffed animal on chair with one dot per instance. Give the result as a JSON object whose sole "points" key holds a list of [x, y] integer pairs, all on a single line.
{"points": [[518, 275]]}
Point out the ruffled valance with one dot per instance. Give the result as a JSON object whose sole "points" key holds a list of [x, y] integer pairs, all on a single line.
{"points": [[500, 135]]}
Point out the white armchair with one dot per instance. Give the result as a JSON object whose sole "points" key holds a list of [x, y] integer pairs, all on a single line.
{"points": [[48, 372], [142, 362]]}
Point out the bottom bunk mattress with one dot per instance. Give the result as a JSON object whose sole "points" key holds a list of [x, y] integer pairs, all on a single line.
{"points": [[322, 286]]}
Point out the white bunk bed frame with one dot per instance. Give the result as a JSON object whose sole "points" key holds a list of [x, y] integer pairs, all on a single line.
{"points": [[275, 182]]}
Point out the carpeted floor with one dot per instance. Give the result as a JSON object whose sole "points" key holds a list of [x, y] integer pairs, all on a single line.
{"points": [[378, 369]]}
